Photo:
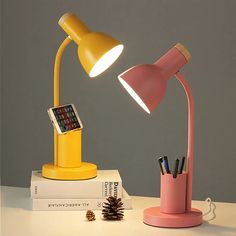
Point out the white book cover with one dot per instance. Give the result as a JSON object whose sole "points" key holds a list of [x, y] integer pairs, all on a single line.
{"points": [[107, 183], [75, 204]]}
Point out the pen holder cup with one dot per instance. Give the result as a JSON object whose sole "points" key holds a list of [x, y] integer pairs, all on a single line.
{"points": [[173, 193], [69, 149]]}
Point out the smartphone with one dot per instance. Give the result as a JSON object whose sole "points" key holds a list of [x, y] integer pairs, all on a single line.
{"points": [[65, 118]]}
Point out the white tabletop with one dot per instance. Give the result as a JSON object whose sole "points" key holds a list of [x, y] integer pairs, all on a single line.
{"points": [[17, 219]]}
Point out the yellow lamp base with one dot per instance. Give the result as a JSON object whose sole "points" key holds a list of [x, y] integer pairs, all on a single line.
{"points": [[85, 171]]}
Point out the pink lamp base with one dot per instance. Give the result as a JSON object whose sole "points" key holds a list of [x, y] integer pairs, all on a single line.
{"points": [[152, 216]]}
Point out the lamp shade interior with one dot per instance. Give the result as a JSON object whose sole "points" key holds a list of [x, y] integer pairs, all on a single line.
{"points": [[134, 95], [98, 51], [106, 60], [145, 84]]}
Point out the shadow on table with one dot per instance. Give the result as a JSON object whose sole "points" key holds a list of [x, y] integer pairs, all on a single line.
{"points": [[23, 199], [213, 229], [204, 229]]}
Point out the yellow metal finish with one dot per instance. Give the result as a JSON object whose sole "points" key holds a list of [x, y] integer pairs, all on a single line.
{"points": [[85, 171], [93, 46], [57, 89], [69, 149], [73, 26]]}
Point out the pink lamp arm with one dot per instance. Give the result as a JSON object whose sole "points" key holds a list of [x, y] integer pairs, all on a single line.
{"points": [[190, 151]]}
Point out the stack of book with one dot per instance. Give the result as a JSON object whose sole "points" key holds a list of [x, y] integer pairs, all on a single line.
{"points": [[51, 195]]}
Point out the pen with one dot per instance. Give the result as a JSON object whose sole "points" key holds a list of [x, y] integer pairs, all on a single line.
{"points": [[160, 161], [182, 165], [176, 168], [163, 166], [166, 164]]}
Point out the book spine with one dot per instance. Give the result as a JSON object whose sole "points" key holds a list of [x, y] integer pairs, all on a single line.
{"points": [[65, 190], [72, 204]]}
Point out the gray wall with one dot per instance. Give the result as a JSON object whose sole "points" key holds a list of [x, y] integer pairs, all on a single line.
{"points": [[117, 133]]}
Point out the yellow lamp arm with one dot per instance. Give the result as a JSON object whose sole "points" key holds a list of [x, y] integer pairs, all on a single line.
{"points": [[60, 51]]}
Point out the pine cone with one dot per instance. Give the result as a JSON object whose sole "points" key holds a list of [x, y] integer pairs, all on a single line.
{"points": [[90, 215], [113, 210]]}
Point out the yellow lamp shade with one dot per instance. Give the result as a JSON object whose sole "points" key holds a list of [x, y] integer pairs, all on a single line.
{"points": [[73, 26], [97, 51]]}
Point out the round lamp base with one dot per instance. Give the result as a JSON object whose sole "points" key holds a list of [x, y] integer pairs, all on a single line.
{"points": [[85, 171], [152, 216]]}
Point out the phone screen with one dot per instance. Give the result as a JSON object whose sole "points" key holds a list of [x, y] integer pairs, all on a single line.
{"points": [[66, 118]]}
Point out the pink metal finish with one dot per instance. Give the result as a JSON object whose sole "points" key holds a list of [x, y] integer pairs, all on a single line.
{"points": [[147, 84], [170, 63], [154, 217], [149, 81], [173, 193], [189, 95]]}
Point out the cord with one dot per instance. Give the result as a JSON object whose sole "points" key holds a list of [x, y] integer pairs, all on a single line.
{"points": [[210, 214]]}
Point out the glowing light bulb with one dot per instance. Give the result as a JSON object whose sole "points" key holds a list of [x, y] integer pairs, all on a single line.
{"points": [[134, 95], [106, 60]]}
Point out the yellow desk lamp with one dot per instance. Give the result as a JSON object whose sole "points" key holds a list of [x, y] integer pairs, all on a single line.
{"points": [[97, 51]]}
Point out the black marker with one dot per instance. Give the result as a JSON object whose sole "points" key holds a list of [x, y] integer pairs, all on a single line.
{"points": [[182, 165], [176, 168], [160, 161], [166, 164]]}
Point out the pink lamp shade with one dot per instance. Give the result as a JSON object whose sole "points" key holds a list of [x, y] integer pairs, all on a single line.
{"points": [[147, 83]]}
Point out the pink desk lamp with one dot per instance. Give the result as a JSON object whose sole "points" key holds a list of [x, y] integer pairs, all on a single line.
{"points": [[147, 85]]}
